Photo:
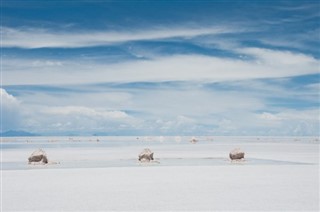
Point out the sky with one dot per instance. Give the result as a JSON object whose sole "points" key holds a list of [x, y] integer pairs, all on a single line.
{"points": [[160, 67]]}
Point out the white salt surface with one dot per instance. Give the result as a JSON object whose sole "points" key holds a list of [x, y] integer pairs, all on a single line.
{"points": [[239, 187]]}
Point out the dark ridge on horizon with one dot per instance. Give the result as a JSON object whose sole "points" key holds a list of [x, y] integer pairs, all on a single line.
{"points": [[17, 133]]}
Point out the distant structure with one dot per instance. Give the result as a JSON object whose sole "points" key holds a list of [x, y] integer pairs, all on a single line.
{"points": [[146, 156], [193, 140], [236, 154], [38, 156]]}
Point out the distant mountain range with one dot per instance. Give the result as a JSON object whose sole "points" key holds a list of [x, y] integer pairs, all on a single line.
{"points": [[16, 133]]}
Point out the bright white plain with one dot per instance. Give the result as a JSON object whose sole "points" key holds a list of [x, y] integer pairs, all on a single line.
{"points": [[169, 188]]}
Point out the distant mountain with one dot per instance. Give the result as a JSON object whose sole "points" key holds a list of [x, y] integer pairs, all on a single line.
{"points": [[16, 133]]}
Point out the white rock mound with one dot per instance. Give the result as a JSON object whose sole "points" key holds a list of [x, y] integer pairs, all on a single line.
{"points": [[146, 156], [236, 154], [38, 156]]}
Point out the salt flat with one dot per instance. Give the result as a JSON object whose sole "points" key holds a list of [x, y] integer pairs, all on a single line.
{"points": [[228, 186], [163, 188]]}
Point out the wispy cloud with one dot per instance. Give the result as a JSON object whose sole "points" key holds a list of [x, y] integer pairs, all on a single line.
{"points": [[41, 38], [261, 63], [85, 111], [178, 108], [299, 7], [243, 69]]}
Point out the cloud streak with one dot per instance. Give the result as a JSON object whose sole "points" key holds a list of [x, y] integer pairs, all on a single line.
{"points": [[85, 111], [183, 108], [44, 38], [261, 63]]}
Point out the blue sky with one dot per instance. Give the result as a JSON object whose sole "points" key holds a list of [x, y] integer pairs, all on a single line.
{"points": [[160, 67]]}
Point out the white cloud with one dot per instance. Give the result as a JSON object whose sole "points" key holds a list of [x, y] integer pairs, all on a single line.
{"points": [[305, 115], [172, 110], [184, 109], [303, 122], [41, 63], [85, 111], [37, 116], [10, 111], [287, 122], [39, 38], [278, 58], [269, 116], [193, 102], [77, 119], [8, 99], [179, 124], [266, 64], [187, 111]]}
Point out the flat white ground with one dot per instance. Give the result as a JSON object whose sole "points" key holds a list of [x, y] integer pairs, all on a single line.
{"points": [[242, 187]]}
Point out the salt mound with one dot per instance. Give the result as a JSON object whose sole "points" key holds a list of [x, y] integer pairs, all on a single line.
{"points": [[236, 154], [146, 155], [38, 156]]}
